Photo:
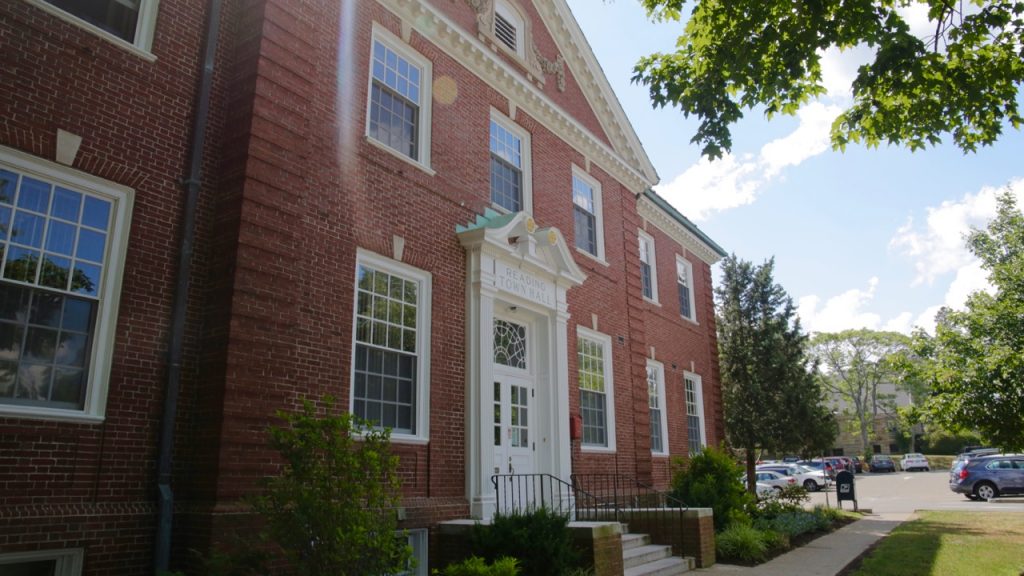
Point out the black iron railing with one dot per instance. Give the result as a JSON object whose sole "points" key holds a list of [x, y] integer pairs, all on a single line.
{"points": [[625, 499], [596, 497], [524, 493]]}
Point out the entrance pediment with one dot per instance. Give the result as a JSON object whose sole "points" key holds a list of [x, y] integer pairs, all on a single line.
{"points": [[515, 237]]}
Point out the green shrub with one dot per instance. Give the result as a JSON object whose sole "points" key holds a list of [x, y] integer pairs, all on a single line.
{"points": [[711, 480], [540, 540], [828, 514], [792, 523], [476, 566], [332, 508], [743, 543]]}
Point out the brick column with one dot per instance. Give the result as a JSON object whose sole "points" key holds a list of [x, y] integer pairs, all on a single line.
{"points": [[699, 536]]}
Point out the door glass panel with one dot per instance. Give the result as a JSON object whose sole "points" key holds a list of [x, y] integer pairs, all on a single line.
{"points": [[520, 417], [510, 344], [497, 413]]}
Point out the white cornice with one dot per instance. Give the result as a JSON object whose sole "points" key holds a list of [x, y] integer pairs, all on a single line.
{"points": [[482, 61], [594, 84], [650, 212]]}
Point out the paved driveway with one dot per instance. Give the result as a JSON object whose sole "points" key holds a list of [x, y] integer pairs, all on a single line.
{"points": [[900, 492]]}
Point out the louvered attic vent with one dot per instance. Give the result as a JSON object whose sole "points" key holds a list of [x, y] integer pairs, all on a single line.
{"points": [[505, 31]]}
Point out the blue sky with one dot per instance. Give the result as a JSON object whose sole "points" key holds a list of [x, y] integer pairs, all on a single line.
{"points": [[867, 238]]}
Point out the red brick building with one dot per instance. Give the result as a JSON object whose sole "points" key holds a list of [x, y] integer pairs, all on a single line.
{"points": [[435, 211]]}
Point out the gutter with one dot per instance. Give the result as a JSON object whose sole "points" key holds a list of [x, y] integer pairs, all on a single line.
{"points": [[191, 184]]}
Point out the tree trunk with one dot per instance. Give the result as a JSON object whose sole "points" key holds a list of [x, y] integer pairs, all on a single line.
{"points": [[751, 469]]}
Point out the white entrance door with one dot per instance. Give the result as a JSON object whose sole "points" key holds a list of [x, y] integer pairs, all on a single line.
{"points": [[513, 421], [513, 434]]}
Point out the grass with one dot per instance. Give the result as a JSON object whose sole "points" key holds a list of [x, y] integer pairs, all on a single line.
{"points": [[951, 544]]}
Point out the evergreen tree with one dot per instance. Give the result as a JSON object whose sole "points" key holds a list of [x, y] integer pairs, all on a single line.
{"points": [[771, 395]]}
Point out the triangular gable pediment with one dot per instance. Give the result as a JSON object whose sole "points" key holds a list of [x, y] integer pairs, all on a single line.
{"points": [[515, 236], [589, 75], [617, 151]]}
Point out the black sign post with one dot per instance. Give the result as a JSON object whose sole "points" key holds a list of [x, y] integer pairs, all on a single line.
{"points": [[845, 490]]}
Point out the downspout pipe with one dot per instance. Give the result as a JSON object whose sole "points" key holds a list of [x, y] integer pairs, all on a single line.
{"points": [[191, 184]]}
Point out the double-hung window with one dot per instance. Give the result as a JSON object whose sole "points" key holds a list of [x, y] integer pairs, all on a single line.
{"points": [[510, 164], [399, 103], [126, 22], [392, 336], [648, 271], [43, 562], [694, 413], [586, 200], [597, 406], [656, 402], [684, 281], [62, 243]]}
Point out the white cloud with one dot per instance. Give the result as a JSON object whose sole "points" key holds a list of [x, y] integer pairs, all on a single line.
{"points": [[809, 139], [708, 187], [842, 312], [839, 68], [901, 323], [939, 249], [713, 186]]}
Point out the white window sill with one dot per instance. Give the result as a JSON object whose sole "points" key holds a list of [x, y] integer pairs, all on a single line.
{"points": [[76, 21], [399, 155], [598, 449], [660, 454], [690, 320], [409, 440], [597, 259], [50, 414], [653, 302]]}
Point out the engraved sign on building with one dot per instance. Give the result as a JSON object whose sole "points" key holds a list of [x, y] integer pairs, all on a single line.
{"points": [[524, 284]]}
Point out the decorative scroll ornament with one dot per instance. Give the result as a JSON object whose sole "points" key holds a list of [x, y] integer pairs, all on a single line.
{"points": [[556, 67], [484, 10]]}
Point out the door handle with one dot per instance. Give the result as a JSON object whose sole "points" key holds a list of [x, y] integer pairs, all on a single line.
{"points": [[511, 470]]}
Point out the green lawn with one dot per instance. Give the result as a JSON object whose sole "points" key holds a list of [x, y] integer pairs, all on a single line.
{"points": [[951, 544]]}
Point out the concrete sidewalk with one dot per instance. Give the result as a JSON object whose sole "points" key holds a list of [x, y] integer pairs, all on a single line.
{"points": [[827, 555]]}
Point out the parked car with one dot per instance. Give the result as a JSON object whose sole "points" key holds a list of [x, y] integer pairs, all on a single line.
{"points": [[763, 490], [858, 466], [774, 479], [969, 455], [812, 480], [881, 463], [817, 464], [987, 477], [914, 461]]}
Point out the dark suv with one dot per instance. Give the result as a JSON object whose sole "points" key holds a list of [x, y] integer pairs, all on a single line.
{"points": [[989, 476]]}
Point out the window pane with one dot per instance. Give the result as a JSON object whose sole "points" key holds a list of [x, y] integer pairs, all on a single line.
{"points": [[67, 204], [8, 184], [586, 231], [34, 195], [119, 17]]}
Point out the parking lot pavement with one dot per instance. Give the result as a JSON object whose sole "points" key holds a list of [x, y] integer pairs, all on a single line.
{"points": [[905, 492]]}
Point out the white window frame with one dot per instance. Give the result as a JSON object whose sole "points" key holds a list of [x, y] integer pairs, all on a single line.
{"points": [[108, 299], [648, 240], [145, 27], [698, 392], [659, 369], [526, 156], [605, 342], [513, 16], [423, 313], [69, 561], [403, 50], [685, 264], [595, 186], [417, 540]]}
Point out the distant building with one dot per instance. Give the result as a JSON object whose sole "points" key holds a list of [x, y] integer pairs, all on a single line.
{"points": [[884, 436], [435, 211]]}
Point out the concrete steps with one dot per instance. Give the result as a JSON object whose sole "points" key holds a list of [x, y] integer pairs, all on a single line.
{"points": [[641, 558]]}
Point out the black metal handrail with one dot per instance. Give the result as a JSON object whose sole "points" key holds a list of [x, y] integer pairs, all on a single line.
{"points": [[626, 500], [524, 493]]}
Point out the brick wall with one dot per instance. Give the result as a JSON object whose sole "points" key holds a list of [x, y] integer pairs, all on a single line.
{"points": [[91, 485], [291, 190]]}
